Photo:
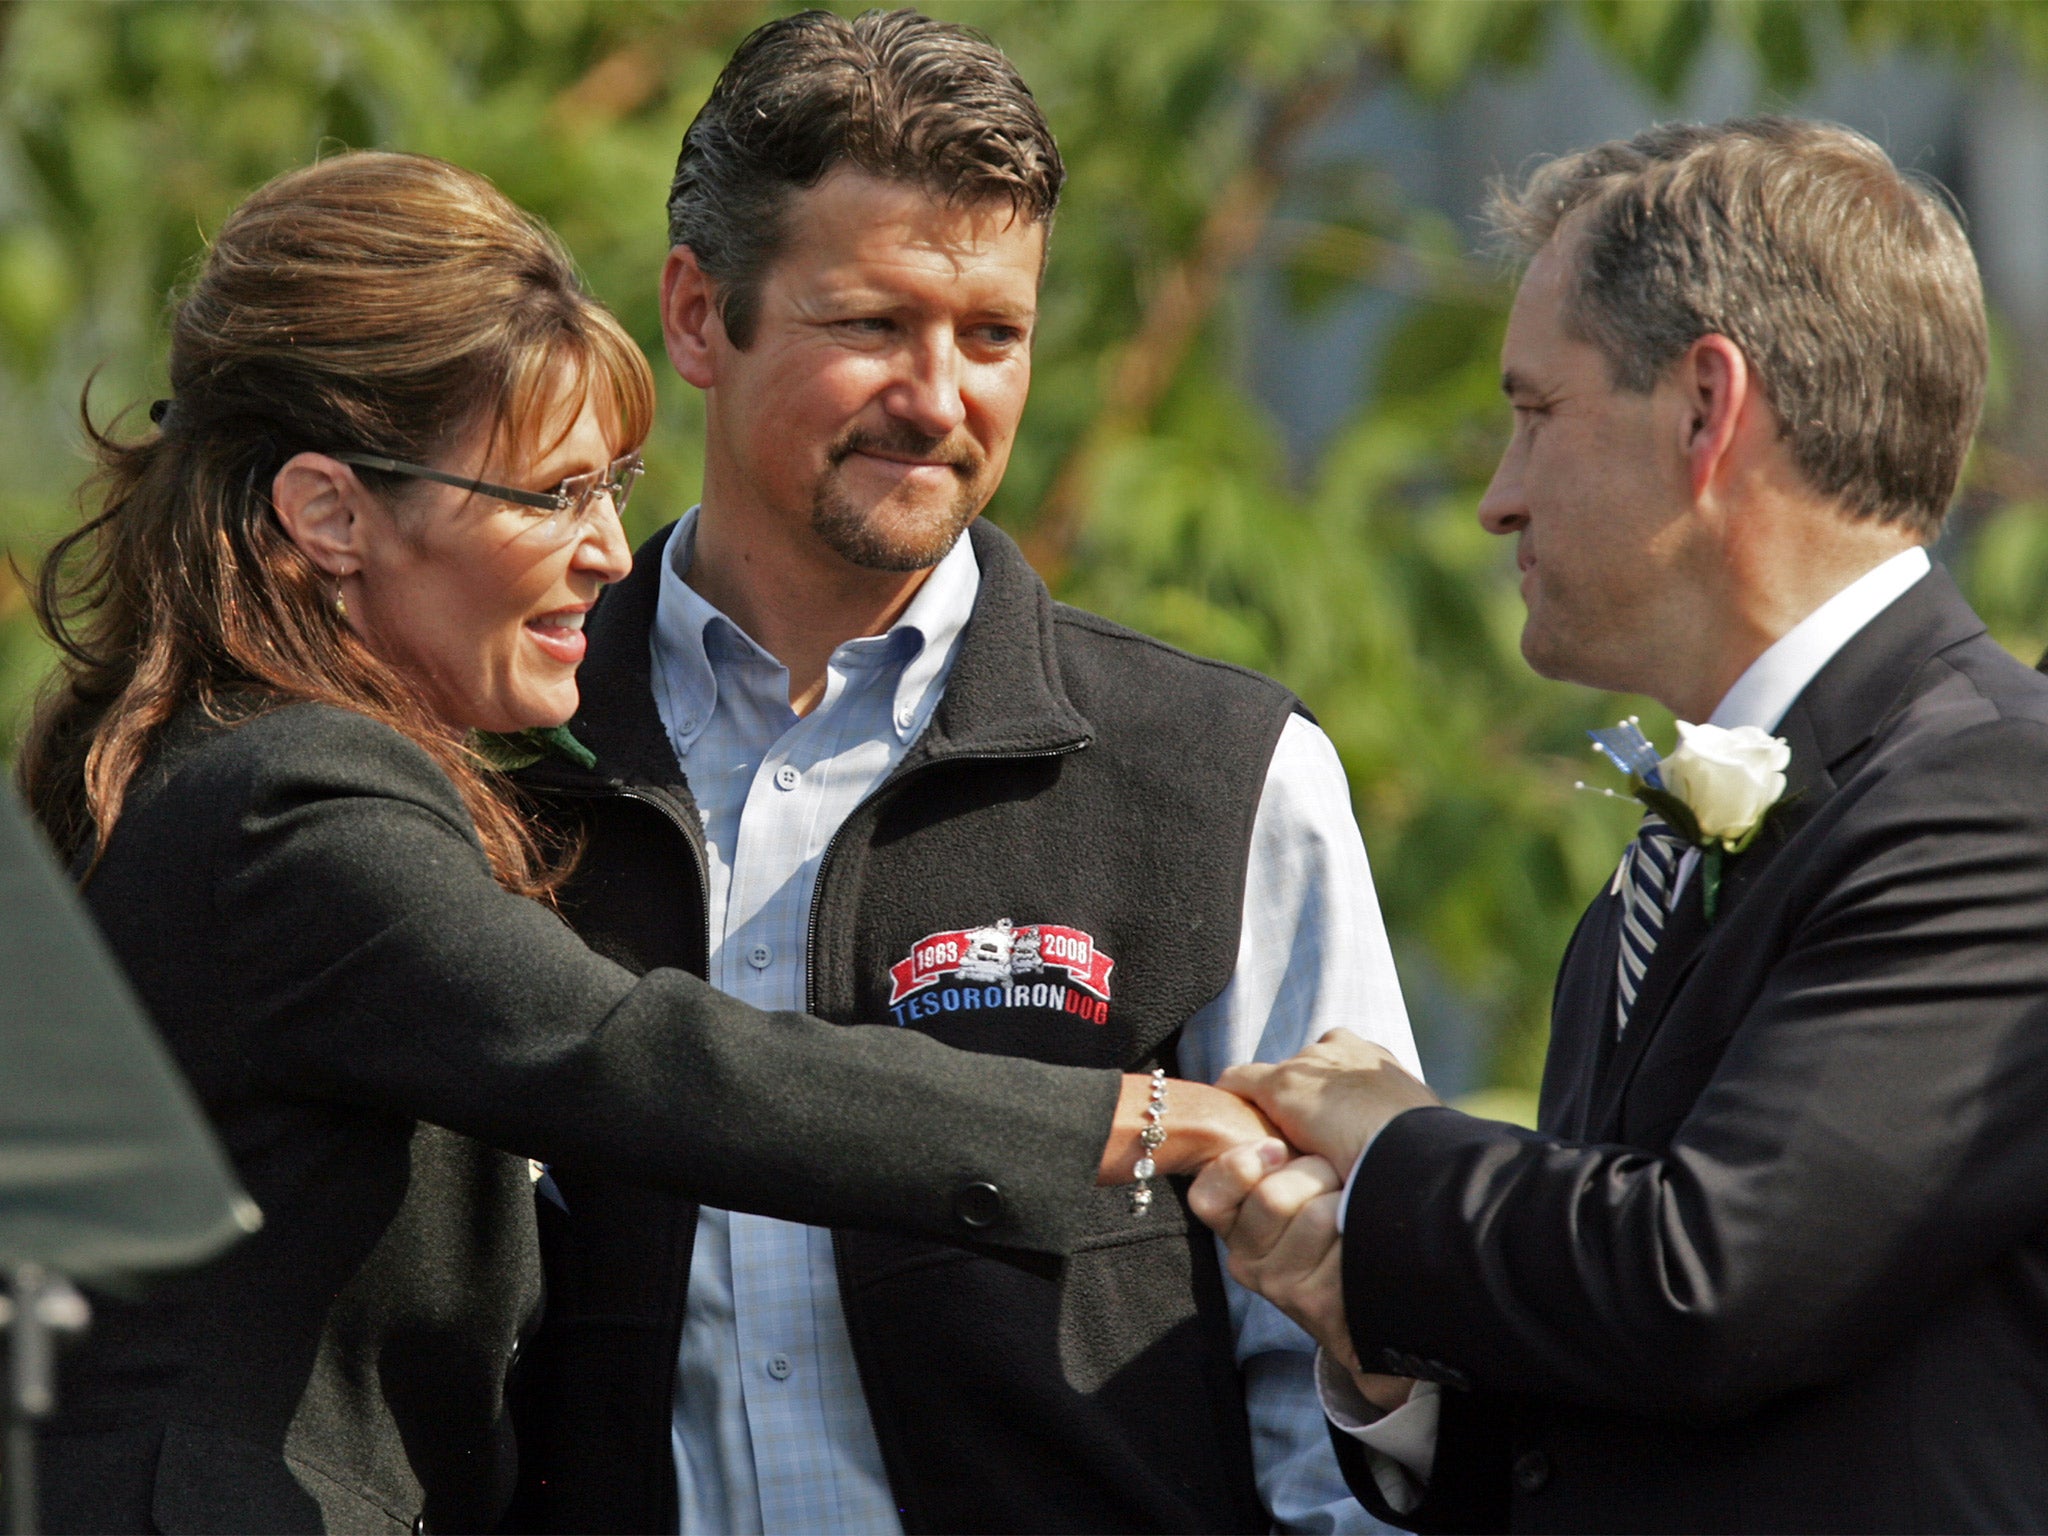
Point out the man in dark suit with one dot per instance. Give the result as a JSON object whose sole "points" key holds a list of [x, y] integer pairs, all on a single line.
{"points": [[1777, 1256]]}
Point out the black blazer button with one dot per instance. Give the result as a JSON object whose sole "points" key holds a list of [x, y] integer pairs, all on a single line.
{"points": [[419, 1525], [979, 1205], [1532, 1471]]}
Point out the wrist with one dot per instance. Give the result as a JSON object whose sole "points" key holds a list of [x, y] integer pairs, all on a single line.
{"points": [[1121, 1152], [1151, 1137], [1201, 1124], [1385, 1393], [1349, 1155]]}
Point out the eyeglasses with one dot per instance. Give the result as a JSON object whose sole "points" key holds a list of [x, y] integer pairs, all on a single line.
{"points": [[566, 505]]}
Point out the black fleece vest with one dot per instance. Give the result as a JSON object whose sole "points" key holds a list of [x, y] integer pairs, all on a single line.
{"points": [[1055, 870]]}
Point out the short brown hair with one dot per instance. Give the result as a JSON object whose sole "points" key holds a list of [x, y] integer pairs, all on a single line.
{"points": [[892, 93], [1848, 285], [378, 303]]}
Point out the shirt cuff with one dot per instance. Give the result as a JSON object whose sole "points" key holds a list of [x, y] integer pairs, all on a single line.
{"points": [[1400, 1447], [1344, 1200]]}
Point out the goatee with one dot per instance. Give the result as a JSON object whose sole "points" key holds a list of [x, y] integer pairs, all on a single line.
{"points": [[913, 540]]}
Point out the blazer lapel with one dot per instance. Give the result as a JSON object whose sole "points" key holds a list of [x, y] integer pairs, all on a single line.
{"points": [[1688, 935], [1838, 713], [1677, 949], [1871, 678]]}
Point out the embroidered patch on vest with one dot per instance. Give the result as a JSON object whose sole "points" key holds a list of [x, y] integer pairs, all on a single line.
{"points": [[1002, 966]]}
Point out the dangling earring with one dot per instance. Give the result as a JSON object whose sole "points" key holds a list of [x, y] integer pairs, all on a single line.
{"points": [[340, 606]]}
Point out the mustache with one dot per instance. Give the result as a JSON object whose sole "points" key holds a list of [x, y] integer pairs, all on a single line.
{"points": [[907, 443]]}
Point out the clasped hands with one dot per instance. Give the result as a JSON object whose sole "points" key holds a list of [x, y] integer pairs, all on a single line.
{"points": [[1274, 1144]]}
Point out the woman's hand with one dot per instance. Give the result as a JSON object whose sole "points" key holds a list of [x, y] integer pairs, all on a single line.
{"points": [[1202, 1123]]}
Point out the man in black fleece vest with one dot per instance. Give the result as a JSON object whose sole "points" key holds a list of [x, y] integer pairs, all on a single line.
{"points": [[850, 762]]}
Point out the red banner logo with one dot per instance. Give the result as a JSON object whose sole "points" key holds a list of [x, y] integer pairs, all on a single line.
{"points": [[999, 954]]}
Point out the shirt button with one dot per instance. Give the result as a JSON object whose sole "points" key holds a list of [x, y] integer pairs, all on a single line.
{"points": [[779, 1367], [786, 777], [903, 720], [759, 956]]}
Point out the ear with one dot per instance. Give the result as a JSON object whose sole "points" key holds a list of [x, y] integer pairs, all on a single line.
{"points": [[691, 327], [1718, 397], [319, 503]]}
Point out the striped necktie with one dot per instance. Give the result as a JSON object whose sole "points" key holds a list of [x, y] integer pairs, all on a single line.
{"points": [[1646, 874]]}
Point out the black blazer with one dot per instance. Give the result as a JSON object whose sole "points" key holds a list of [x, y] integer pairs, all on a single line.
{"points": [[1780, 1261], [383, 1037]]}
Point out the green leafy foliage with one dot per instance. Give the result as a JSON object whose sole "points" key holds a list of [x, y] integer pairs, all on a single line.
{"points": [[128, 131]]}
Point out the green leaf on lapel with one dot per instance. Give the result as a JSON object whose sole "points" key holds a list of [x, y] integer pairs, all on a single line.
{"points": [[1676, 813]]}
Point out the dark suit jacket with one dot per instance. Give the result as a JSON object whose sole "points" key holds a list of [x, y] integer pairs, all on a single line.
{"points": [[1778, 1262], [382, 1037]]}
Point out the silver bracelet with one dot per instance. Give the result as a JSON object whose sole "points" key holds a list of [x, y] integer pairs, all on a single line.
{"points": [[1152, 1138]]}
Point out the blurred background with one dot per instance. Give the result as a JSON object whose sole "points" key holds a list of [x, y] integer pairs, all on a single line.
{"points": [[1266, 396]]}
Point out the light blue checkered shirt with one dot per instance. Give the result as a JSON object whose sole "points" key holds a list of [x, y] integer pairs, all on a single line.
{"points": [[771, 1432]]}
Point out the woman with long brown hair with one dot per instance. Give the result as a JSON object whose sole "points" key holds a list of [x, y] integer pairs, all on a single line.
{"points": [[346, 573]]}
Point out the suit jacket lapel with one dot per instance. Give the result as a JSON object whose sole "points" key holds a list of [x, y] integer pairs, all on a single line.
{"points": [[1868, 680], [1687, 933], [1835, 716]]}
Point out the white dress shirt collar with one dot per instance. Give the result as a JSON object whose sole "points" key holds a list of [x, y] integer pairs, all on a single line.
{"points": [[684, 627], [1763, 694]]}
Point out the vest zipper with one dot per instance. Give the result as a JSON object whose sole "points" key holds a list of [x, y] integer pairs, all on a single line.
{"points": [[671, 813], [913, 1520], [693, 838]]}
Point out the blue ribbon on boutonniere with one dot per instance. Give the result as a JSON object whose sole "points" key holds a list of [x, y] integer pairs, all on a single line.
{"points": [[1714, 790]]}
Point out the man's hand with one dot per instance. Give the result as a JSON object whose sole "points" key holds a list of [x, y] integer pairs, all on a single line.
{"points": [[1279, 1219], [1281, 1228], [1333, 1098]]}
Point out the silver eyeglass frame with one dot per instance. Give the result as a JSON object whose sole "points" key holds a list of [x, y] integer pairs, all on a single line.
{"points": [[616, 478]]}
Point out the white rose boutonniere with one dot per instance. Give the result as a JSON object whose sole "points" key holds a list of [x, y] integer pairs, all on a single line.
{"points": [[1714, 790], [1729, 780]]}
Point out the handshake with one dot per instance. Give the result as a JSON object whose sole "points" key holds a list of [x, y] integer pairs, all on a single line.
{"points": [[1272, 1146]]}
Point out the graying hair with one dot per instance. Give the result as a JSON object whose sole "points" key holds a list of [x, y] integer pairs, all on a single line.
{"points": [[1849, 286]]}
